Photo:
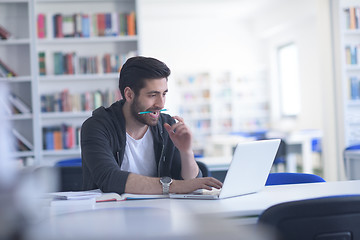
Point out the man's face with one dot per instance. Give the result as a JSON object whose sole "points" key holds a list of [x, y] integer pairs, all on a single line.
{"points": [[150, 98]]}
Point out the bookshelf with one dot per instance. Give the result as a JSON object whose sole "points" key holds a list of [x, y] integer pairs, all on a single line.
{"points": [[223, 103], [349, 28], [15, 56], [64, 68]]}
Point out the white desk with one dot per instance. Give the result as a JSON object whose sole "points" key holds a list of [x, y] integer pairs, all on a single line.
{"points": [[176, 218]]}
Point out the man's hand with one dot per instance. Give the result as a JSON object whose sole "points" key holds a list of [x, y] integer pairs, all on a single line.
{"points": [[190, 185], [180, 134]]}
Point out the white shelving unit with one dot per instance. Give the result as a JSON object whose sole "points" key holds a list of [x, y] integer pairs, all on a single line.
{"points": [[21, 53], [350, 36], [16, 52], [223, 103]]}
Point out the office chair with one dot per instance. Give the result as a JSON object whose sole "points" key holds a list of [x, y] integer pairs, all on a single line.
{"points": [[330, 218], [292, 178], [352, 161], [204, 169], [70, 174]]}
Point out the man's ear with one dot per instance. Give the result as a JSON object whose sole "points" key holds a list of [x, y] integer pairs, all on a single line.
{"points": [[129, 94]]}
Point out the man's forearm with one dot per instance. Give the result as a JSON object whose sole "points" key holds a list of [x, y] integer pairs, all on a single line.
{"points": [[139, 184], [189, 167]]}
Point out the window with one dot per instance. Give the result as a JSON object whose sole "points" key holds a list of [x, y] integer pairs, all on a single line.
{"points": [[289, 80]]}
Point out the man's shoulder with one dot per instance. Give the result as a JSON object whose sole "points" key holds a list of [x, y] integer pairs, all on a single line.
{"points": [[102, 114]]}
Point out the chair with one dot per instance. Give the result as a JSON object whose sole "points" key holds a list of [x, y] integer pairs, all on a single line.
{"points": [[70, 174], [292, 178], [352, 162], [330, 218], [204, 169]]}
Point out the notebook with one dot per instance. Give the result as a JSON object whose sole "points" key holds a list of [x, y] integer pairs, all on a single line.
{"points": [[247, 173]]}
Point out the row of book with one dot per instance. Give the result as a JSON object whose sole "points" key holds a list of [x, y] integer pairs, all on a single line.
{"points": [[61, 137], [354, 83], [77, 102], [71, 63], [352, 15], [352, 55], [6, 71], [88, 25]]}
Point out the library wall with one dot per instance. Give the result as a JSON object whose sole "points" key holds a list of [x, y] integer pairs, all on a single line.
{"points": [[295, 22], [197, 38]]}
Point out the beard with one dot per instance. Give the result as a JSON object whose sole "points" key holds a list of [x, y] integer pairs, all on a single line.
{"points": [[136, 107]]}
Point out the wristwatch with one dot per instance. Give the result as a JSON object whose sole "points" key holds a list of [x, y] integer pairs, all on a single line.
{"points": [[166, 181]]}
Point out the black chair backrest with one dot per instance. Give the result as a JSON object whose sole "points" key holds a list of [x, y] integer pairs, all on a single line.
{"points": [[70, 178], [329, 218], [204, 169]]}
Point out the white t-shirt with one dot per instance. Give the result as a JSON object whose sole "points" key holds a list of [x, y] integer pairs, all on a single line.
{"points": [[139, 155]]}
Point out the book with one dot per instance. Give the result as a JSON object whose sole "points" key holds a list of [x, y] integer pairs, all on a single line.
{"points": [[111, 197], [6, 71], [131, 25], [41, 25], [23, 143], [42, 65], [75, 195], [18, 104], [68, 25], [74, 202], [100, 197], [4, 33]]}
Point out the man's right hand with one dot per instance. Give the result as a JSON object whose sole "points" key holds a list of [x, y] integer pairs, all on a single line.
{"points": [[190, 185]]}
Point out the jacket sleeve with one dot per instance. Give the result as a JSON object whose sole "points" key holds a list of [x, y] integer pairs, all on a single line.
{"points": [[100, 166], [174, 154]]}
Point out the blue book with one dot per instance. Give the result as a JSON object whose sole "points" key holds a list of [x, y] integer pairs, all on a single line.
{"points": [[49, 139], [85, 25], [108, 27], [354, 88]]}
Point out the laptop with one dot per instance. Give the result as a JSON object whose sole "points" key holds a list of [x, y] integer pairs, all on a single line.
{"points": [[247, 173]]}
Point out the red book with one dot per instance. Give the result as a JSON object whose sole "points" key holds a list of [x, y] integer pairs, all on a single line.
{"points": [[59, 26], [69, 62], [70, 137], [41, 25], [107, 67], [101, 24]]}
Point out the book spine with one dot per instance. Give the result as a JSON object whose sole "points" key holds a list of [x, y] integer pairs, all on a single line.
{"points": [[114, 24], [108, 24], [78, 25], [41, 23], [131, 29], [85, 25], [101, 24], [68, 26], [42, 65]]}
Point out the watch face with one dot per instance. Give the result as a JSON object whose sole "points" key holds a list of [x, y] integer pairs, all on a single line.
{"points": [[165, 180]]}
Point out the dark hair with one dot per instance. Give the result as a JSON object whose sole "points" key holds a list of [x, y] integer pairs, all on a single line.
{"points": [[136, 70]]}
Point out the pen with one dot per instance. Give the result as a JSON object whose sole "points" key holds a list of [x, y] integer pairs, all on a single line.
{"points": [[152, 111]]}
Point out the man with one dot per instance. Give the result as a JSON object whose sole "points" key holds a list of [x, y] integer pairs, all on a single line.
{"points": [[127, 150]]}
